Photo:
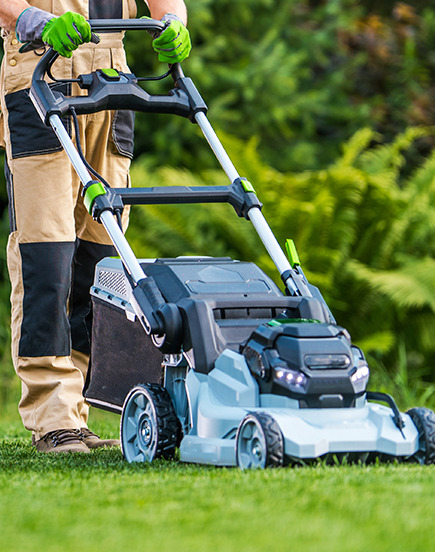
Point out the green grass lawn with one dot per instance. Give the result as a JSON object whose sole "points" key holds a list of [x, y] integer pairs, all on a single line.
{"points": [[99, 502]]}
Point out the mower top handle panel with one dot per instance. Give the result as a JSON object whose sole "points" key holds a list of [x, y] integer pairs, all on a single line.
{"points": [[104, 93]]}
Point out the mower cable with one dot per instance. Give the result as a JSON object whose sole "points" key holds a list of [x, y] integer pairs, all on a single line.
{"points": [[159, 77], [118, 216], [50, 74], [80, 151]]}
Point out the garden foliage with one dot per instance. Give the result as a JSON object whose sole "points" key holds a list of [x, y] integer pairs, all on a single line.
{"points": [[301, 75], [327, 107], [364, 227]]}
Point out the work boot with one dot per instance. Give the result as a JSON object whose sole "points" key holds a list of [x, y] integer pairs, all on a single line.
{"points": [[61, 440], [93, 441]]}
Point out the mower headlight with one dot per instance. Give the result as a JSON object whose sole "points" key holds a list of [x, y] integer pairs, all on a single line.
{"points": [[362, 373], [290, 378]]}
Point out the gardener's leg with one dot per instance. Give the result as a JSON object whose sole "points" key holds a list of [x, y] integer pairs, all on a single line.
{"points": [[40, 253]]}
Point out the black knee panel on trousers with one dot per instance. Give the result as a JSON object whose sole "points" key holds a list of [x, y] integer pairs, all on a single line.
{"points": [[11, 202], [46, 269], [55, 274]]}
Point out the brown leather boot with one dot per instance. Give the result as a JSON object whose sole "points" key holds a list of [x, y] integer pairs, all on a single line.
{"points": [[93, 441], [61, 440]]}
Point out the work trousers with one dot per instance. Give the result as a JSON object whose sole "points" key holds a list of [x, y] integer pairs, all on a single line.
{"points": [[54, 243]]}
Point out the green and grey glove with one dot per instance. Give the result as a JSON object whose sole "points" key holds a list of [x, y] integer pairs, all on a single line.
{"points": [[173, 44], [64, 33]]}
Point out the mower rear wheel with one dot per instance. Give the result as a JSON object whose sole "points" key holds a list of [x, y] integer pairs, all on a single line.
{"points": [[259, 442], [424, 420], [149, 425]]}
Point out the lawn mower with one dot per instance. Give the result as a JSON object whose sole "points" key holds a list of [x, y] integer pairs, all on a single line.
{"points": [[207, 356]]}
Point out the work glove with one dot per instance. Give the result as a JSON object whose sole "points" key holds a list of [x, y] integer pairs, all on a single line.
{"points": [[173, 44], [65, 33]]}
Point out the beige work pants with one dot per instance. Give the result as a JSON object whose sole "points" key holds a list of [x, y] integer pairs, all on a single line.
{"points": [[54, 243]]}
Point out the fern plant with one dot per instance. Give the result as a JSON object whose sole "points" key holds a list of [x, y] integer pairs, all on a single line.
{"points": [[364, 228]]}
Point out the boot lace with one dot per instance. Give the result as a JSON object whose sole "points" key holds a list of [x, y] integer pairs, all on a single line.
{"points": [[85, 432], [62, 436]]}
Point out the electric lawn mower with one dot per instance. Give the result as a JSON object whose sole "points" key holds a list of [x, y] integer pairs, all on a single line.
{"points": [[207, 354]]}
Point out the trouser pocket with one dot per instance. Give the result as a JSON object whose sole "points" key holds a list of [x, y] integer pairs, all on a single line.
{"points": [[28, 134], [123, 132]]}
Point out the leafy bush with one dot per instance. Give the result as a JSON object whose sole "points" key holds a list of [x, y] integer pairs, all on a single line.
{"points": [[364, 227], [301, 75]]}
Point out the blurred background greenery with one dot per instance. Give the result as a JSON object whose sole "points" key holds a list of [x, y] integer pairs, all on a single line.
{"points": [[327, 107]]}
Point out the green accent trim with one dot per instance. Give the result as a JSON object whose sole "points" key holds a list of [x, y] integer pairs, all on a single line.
{"points": [[16, 23], [282, 321], [248, 187], [91, 192], [110, 72], [292, 253]]}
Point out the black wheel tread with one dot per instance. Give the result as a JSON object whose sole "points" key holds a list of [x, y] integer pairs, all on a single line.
{"points": [[167, 421], [424, 420], [273, 437], [274, 440]]}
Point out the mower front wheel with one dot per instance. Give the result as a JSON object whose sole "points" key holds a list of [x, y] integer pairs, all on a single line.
{"points": [[424, 420], [149, 425], [259, 442]]}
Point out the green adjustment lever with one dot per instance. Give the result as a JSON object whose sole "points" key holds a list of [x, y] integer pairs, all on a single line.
{"points": [[292, 253]]}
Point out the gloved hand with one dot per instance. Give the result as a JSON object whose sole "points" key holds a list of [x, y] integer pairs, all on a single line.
{"points": [[173, 44], [65, 33]]}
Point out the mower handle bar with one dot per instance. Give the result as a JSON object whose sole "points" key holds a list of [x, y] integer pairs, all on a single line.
{"points": [[186, 102], [105, 93], [108, 26]]}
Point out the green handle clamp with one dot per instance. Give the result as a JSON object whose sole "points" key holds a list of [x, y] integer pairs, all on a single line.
{"points": [[247, 186], [91, 192], [292, 253]]}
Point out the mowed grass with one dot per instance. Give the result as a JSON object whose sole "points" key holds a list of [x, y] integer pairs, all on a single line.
{"points": [[99, 502]]}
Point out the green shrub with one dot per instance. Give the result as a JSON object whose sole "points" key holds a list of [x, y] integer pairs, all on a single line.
{"points": [[364, 228], [300, 75]]}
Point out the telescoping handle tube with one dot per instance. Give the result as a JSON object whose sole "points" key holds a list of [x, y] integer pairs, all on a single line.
{"points": [[255, 215]]}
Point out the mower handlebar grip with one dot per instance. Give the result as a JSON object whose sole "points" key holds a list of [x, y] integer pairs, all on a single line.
{"points": [[117, 25], [102, 26]]}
